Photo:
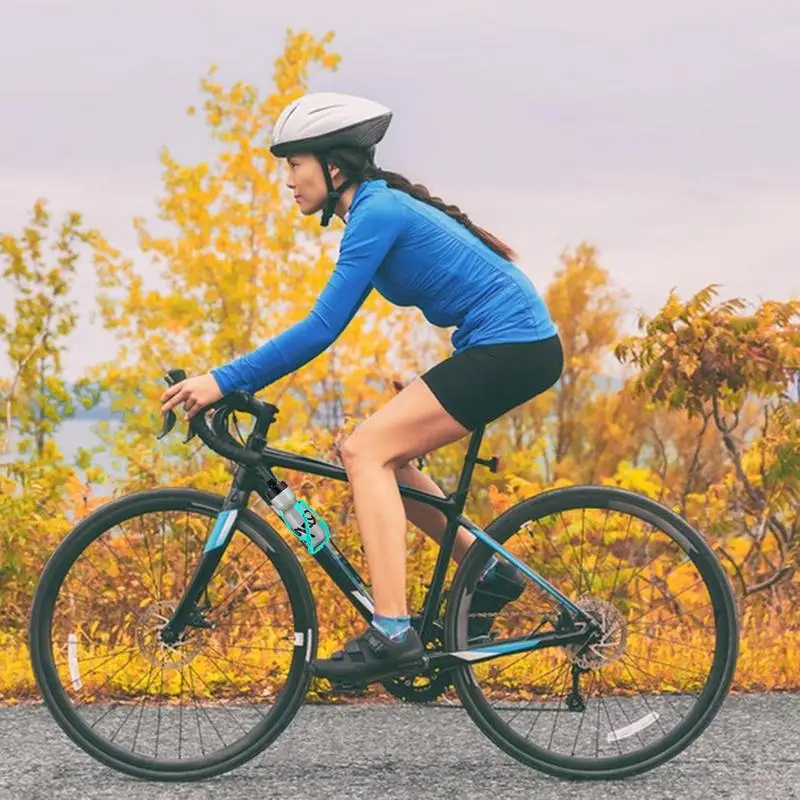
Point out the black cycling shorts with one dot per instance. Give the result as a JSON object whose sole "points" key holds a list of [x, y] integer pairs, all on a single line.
{"points": [[481, 383]]}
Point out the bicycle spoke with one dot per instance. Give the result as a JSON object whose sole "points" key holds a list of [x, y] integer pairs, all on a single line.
{"points": [[575, 585], [107, 658], [538, 678], [571, 547], [133, 707], [643, 696], [141, 715], [109, 585], [232, 683], [133, 550], [583, 531], [619, 558], [262, 648], [222, 702], [643, 567], [557, 715], [662, 604], [597, 734], [221, 605], [147, 550], [185, 584], [107, 680], [677, 642], [238, 664], [205, 713], [158, 706], [602, 541], [679, 617], [650, 660], [161, 572], [125, 567], [621, 708], [564, 669], [180, 718]]}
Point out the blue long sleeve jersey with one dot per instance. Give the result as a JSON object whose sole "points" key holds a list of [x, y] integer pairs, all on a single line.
{"points": [[413, 254]]}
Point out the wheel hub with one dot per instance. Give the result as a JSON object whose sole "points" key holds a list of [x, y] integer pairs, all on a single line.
{"points": [[609, 645], [152, 646]]}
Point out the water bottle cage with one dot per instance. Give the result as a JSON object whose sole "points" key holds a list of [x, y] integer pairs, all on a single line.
{"points": [[311, 520]]}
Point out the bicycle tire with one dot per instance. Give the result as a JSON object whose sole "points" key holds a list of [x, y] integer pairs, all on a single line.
{"points": [[616, 767], [44, 667]]}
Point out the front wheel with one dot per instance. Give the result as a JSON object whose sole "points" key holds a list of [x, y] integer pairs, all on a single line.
{"points": [[198, 706], [658, 673]]}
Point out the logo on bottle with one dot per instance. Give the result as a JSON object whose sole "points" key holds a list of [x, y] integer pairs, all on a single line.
{"points": [[311, 521]]}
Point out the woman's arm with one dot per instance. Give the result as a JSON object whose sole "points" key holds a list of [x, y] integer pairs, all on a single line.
{"points": [[369, 236]]}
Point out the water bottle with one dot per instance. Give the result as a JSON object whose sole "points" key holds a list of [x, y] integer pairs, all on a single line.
{"points": [[300, 519]]}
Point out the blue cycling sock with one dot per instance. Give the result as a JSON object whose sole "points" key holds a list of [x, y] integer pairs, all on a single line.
{"points": [[393, 627]]}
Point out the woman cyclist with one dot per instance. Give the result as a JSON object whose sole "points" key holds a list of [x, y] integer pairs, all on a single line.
{"points": [[415, 250]]}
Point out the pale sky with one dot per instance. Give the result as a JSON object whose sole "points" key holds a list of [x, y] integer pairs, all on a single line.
{"points": [[664, 133]]}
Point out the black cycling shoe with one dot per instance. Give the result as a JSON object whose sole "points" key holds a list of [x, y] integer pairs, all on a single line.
{"points": [[370, 657], [491, 595]]}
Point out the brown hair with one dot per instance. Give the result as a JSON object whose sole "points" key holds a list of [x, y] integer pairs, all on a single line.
{"points": [[358, 165]]}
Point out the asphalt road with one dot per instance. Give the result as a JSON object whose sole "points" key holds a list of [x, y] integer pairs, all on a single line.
{"points": [[751, 750]]}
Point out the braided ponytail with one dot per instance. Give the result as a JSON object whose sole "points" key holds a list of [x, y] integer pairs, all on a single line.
{"points": [[358, 165]]}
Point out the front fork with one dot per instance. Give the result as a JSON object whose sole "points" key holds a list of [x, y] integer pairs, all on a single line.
{"points": [[187, 612]]}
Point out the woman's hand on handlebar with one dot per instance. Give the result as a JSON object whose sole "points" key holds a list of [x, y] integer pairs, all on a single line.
{"points": [[194, 393]]}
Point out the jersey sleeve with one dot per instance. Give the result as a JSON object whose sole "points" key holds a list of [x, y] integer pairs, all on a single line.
{"points": [[369, 236]]}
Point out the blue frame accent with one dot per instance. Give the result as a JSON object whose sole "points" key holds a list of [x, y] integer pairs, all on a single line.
{"points": [[347, 569], [511, 647], [222, 527], [546, 585]]}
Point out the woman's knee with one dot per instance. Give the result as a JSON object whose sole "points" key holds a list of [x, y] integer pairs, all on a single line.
{"points": [[359, 450]]}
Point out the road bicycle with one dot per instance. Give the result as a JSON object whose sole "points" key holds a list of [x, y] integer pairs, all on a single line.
{"points": [[172, 630]]}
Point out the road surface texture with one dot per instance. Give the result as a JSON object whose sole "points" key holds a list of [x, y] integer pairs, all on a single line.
{"points": [[751, 750]]}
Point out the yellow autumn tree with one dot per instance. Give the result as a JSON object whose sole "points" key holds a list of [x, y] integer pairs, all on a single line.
{"points": [[234, 263], [731, 369], [40, 494]]}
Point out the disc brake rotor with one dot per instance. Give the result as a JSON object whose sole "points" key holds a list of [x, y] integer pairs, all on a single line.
{"points": [[613, 636], [151, 645]]}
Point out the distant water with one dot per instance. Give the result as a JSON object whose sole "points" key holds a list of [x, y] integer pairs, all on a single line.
{"points": [[76, 433]]}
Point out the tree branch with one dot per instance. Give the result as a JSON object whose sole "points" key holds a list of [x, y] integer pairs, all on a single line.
{"points": [[695, 459], [730, 446], [12, 391], [736, 568]]}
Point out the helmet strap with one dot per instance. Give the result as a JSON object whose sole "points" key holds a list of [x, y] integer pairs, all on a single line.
{"points": [[334, 195]]}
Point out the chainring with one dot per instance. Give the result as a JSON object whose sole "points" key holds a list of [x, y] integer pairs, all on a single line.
{"points": [[426, 687], [431, 685]]}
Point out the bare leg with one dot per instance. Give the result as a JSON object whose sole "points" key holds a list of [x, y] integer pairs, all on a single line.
{"points": [[413, 422]]}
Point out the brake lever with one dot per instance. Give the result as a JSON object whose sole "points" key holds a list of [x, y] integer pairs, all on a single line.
{"points": [[172, 377]]}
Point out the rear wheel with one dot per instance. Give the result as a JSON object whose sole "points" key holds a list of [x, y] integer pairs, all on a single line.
{"points": [[204, 704], [664, 662]]}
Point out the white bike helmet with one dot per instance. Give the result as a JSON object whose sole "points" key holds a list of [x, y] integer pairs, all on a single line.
{"points": [[317, 122]]}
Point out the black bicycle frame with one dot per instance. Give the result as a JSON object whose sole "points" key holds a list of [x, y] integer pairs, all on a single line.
{"points": [[248, 479]]}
